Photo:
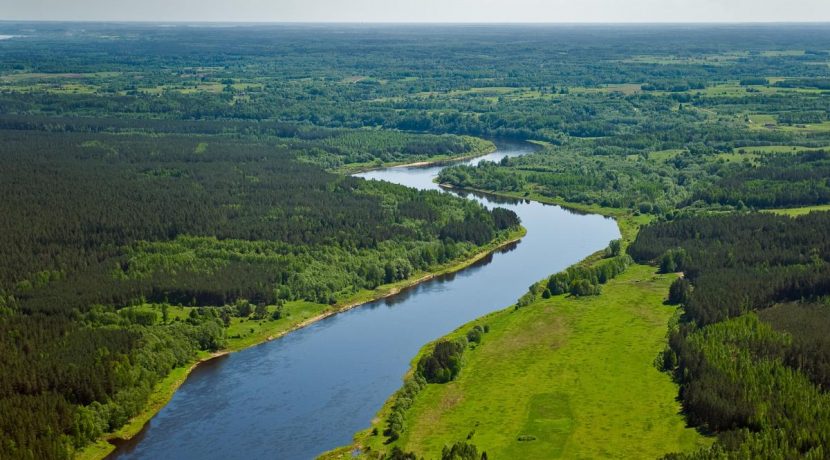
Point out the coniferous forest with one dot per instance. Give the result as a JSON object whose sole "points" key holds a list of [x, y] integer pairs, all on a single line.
{"points": [[751, 350]]}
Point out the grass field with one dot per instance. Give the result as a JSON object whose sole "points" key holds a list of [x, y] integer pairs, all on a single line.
{"points": [[800, 211], [776, 149], [570, 377]]}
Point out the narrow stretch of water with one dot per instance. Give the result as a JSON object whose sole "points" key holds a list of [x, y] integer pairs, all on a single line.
{"points": [[310, 391]]}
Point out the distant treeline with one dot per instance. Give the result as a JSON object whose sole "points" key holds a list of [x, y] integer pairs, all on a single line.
{"points": [[779, 182], [327, 147]]}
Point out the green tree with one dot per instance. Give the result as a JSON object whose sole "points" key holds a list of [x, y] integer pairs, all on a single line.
{"points": [[243, 308], [261, 311], [461, 451], [679, 291]]}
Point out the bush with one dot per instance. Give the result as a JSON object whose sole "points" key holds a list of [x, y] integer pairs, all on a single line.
{"points": [[583, 287], [581, 281], [461, 451], [475, 334], [614, 248], [444, 363]]}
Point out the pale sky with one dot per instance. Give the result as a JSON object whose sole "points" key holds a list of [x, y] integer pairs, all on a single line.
{"points": [[420, 10]]}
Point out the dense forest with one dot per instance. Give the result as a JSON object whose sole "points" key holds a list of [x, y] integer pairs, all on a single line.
{"points": [[751, 350], [99, 222], [202, 167]]}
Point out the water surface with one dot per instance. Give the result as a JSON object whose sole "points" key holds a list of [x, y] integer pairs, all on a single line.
{"points": [[310, 391]]}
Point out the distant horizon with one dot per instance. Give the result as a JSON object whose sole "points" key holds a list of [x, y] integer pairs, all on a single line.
{"points": [[421, 11], [414, 23]]}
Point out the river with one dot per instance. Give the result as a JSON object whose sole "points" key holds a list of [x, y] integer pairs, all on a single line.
{"points": [[311, 390]]}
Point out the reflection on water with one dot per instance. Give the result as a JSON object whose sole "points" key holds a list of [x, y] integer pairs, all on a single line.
{"points": [[311, 390]]}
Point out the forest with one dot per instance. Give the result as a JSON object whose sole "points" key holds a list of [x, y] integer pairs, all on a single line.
{"points": [[159, 183], [96, 223], [751, 350]]}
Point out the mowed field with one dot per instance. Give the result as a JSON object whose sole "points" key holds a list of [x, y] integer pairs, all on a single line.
{"points": [[563, 378]]}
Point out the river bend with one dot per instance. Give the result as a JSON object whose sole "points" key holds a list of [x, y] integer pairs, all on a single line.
{"points": [[311, 390]]}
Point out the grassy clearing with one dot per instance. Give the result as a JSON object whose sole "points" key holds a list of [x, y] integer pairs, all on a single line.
{"points": [[245, 332], [570, 377], [754, 154], [53, 88], [624, 88], [664, 155], [186, 88], [735, 89], [776, 149], [23, 76], [95, 451], [793, 212], [808, 128]]}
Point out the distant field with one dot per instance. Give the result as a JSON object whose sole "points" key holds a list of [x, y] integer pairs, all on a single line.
{"points": [[570, 377], [753, 154], [776, 149], [664, 155], [711, 59], [800, 211]]}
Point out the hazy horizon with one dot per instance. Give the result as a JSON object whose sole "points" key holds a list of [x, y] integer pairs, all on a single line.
{"points": [[412, 23], [423, 12]]}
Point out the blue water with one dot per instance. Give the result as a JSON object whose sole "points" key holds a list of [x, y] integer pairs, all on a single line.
{"points": [[310, 391]]}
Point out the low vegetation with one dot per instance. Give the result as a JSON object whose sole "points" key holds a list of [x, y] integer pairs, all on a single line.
{"points": [[549, 376]]}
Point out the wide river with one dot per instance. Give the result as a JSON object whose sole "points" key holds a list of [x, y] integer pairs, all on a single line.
{"points": [[311, 390]]}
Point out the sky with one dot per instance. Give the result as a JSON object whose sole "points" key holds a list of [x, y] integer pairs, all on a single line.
{"points": [[554, 11]]}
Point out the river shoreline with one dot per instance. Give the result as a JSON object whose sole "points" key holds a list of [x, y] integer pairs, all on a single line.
{"points": [[628, 229], [435, 161], [534, 261], [628, 223], [168, 386]]}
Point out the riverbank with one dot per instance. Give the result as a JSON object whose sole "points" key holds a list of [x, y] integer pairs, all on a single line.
{"points": [[484, 147], [504, 399], [165, 389], [628, 223], [550, 378]]}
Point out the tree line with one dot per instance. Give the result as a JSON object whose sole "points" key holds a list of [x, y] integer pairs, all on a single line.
{"points": [[750, 352]]}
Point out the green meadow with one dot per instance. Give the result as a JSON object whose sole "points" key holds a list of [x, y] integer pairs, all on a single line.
{"points": [[793, 212], [566, 377]]}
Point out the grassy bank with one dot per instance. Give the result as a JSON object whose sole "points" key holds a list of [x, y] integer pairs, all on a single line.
{"points": [[243, 333], [800, 211], [479, 147], [565, 377]]}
